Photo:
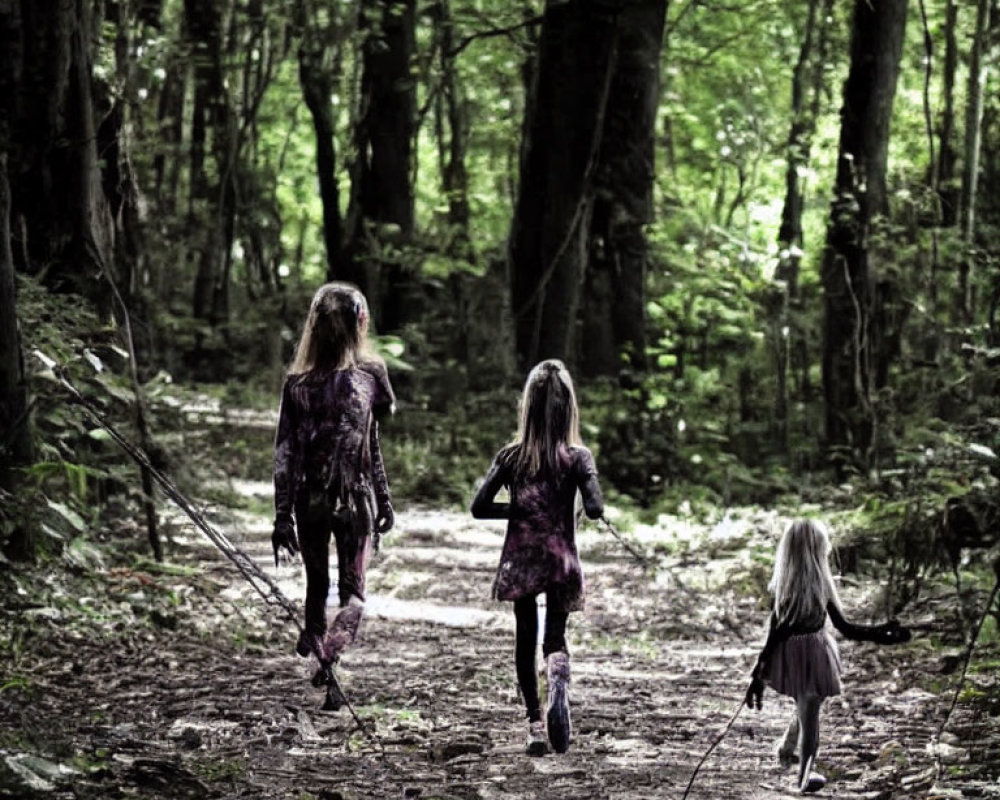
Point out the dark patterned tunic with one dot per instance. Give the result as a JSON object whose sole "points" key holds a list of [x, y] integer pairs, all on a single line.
{"points": [[539, 551], [327, 441]]}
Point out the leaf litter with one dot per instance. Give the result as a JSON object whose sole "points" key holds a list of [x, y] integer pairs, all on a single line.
{"points": [[163, 682]]}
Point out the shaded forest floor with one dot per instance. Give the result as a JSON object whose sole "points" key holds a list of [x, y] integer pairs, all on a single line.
{"points": [[178, 682]]}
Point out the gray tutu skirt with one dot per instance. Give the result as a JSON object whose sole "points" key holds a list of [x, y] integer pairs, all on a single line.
{"points": [[807, 664]]}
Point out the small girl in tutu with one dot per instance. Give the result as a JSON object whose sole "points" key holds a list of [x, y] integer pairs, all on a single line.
{"points": [[800, 657]]}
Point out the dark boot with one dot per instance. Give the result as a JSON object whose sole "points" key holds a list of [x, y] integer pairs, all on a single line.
{"points": [[557, 717], [335, 699], [342, 632], [308, 644]]}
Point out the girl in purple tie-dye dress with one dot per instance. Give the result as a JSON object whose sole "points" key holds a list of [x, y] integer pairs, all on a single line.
{"points": [[543, 469], [328, 470]]}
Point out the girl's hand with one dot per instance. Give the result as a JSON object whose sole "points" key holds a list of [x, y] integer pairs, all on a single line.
{"points": [[755, 693], [892, 633], [385, 519], [283, 538]]}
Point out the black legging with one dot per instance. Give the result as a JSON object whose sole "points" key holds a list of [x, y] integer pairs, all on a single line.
{"points": [[315, 523], [526, 640]]}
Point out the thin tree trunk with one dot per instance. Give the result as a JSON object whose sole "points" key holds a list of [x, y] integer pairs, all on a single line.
{"points": [[17, 446], [382, 198], [970, 174], [852, 329], [807, 91], [170, 139], [211, 201], [316, 79], [455, 178], [947, 157]]}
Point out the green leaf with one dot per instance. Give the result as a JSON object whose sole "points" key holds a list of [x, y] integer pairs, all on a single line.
{"points": [[68, 514]]}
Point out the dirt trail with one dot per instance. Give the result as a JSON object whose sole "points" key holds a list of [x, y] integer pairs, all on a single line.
{"points": [[202, 697]]}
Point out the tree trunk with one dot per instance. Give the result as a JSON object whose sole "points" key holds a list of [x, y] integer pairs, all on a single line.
{"points": [[564, 122], [170, 139], [947, 190], [61, 222], [213, 201], [455, 179], [316, 57], [970, 173], [808, 85], [852, 330], [623, 197], [382, 198], [17, 447]]}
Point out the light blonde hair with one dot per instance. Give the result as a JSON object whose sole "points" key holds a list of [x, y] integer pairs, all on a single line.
{"points": [[549, 420], [335, 334], [802, 583]]}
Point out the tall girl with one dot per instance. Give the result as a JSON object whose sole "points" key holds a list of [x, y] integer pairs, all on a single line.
{"points": [[542, 469], [329, 475], [800, 657]]}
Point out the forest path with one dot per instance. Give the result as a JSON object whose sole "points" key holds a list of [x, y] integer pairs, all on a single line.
{"points": [[195, 692]]}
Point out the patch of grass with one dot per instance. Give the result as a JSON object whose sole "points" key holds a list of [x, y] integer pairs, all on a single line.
{"points": [[225, 770], [16, 682], [972, 694], [14, 740], [153, 567], [99, 760], [641, 645], [492, 679]]}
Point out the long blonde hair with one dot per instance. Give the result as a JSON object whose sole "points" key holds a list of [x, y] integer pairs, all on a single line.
{"points": [[802, 584], [549, 420], [335, 335]]}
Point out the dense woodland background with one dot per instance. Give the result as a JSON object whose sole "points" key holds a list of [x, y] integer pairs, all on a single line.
{"points": [[764, 236]]}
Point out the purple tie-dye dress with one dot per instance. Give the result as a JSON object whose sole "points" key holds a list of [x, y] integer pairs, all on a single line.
{"points": [[328, 469], [327, 439], [539, 552]]}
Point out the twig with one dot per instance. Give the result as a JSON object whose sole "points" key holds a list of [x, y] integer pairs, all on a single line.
{"points": [[141, 422], [714, 744], [642, 558], [968, 654], [467, 40]]}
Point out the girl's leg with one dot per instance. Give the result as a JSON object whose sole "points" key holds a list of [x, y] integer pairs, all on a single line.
{"points": [[314, 541], [352, 533], [808, 709], [557, 665], [555, 628], [525, 644], [353, 551], [787, 743]]}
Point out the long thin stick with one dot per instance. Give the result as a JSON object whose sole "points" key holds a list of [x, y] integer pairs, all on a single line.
{"points": [[968, 654], [642, 558], [248, 568], [708, 752]]}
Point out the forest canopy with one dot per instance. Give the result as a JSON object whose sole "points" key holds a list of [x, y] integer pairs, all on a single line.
{"points": [[762, 236]]}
